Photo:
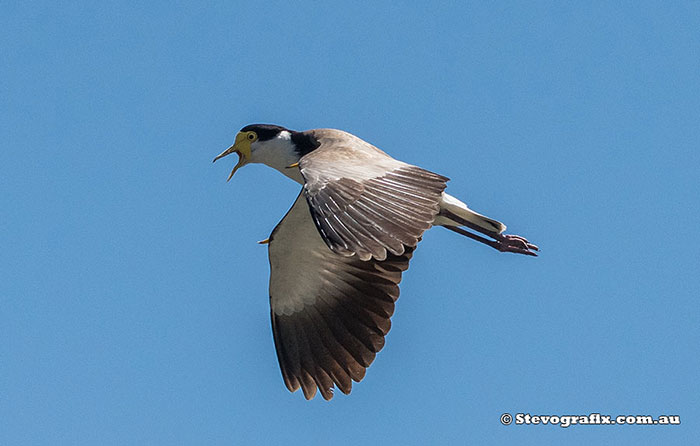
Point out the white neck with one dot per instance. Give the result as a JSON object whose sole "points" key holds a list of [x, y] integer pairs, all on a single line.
{"points": [[278, 153]]}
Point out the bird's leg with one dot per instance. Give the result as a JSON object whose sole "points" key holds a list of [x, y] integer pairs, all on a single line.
{"points": [[501, 242], [504, 243]]}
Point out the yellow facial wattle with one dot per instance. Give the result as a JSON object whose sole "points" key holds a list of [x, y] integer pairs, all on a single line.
{"points": [[242, 147]]}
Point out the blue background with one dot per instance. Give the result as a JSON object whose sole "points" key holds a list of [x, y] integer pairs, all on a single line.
{"points": [[133, 297]]}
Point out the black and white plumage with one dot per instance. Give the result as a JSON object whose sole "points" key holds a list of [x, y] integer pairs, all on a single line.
{"points": [[337, 256], [329, 312]]}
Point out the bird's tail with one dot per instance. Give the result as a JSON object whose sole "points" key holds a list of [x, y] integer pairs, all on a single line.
{"points": [[455, 213], [455, 216]]}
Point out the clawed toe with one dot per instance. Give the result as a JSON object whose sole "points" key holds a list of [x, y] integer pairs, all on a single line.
{"points": [[526, 243], [517, 244], [501, 242]]}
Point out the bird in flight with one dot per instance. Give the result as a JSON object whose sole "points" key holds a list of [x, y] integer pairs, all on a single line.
{"points": [[337, 256]]}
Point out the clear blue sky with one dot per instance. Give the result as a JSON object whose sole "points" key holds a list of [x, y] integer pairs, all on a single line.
{"points": [[133, 297]]}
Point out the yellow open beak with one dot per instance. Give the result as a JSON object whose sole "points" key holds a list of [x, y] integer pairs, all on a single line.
{"points": [[242, 148], [229, 151]]}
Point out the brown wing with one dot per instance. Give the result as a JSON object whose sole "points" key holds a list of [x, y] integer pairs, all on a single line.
{"points": [[363, 201], [329, 312]]}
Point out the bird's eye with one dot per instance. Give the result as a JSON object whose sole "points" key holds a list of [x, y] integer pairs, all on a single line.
{"points": [[251, 136]]}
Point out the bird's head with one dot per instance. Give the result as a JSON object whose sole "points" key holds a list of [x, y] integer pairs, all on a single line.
{"points": [[260, 143]]}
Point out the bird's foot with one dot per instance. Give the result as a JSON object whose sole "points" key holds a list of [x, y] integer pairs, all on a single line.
{"points": [[516, 244]]}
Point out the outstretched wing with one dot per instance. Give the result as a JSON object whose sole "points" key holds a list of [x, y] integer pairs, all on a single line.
{"points": [[363, 201], [329, 312]]}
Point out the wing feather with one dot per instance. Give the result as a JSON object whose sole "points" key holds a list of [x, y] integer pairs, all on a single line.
{"points": [[329, 312], [363, 202]]}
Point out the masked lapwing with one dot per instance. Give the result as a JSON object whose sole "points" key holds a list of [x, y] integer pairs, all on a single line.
{"points": [[337, 256]]}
